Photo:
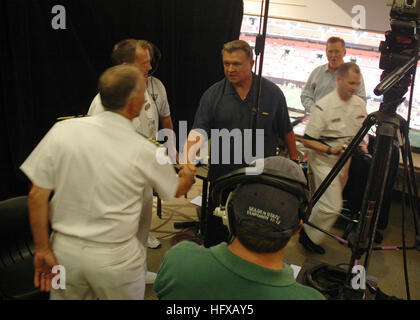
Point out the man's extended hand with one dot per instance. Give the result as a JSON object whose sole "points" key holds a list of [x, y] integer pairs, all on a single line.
{"points": [[338, 150], [44, 261], [188, 170]]}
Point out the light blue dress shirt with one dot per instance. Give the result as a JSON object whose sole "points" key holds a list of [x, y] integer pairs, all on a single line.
{"points": [[320, 83]]}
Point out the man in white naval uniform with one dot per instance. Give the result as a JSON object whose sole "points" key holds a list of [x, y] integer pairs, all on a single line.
{"points": [[98, 185], [334, 121], [156, 108]]}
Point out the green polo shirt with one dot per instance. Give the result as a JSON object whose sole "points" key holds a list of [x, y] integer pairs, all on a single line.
{"points": [[192, 272]]}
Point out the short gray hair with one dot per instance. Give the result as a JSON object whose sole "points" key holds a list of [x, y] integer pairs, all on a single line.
{"points": [[117, 85]]}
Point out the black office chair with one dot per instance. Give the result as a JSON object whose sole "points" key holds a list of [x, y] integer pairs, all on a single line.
{"points": [[16, 252]]}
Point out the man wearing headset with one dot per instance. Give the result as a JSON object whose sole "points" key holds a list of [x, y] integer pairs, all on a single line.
{"points": [[156, 108], [261, 218]]}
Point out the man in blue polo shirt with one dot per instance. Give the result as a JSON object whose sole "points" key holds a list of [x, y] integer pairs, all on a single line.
{"points": [[227, 105]]}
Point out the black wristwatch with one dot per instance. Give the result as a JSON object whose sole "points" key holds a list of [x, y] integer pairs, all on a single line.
{"points": [[329, 150]]}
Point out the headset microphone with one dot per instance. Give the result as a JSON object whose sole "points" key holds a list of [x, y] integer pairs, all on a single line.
{"points": [[155, 59], [277, 197]]}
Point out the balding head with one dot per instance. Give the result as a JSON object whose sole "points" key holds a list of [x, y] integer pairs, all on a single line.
{"points": [[119, 84], [125, 50]]}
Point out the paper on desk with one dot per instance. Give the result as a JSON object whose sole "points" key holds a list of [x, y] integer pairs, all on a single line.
{"points": [[296, 270], [197, 201]]}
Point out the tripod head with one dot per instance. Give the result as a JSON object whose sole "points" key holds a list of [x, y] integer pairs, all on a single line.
{"points": [[399, 53]]}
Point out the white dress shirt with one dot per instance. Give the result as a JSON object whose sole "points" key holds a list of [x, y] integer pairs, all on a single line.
{"points": [[99, 168]]}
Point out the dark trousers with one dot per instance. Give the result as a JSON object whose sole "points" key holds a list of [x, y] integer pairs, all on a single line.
{"points": [[358, 175], [216, 232]]}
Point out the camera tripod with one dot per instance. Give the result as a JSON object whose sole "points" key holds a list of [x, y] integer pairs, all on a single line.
{"points": [[391, 128]]}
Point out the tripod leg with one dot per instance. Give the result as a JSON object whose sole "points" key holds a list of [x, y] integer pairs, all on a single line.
{"points": [[412, 185], [373, 198], [406, 180], [367, 124]]}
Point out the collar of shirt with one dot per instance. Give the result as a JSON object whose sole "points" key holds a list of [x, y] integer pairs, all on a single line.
{"points": [[116, 118], [252, 271], [325, 68], [229, 89], [351, 102]]}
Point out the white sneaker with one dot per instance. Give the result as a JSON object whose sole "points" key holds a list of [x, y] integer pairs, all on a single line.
{"points": [[152, 242], [150, 277]]}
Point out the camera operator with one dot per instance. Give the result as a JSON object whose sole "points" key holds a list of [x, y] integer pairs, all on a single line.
{"points": [[251, 266], [334, 120]]}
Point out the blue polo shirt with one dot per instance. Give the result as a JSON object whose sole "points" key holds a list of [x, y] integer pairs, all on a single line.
{"points": [[222, 108]]}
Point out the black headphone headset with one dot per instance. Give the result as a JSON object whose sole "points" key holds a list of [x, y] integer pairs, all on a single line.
{"points": [[155, 58], [268, 177]]}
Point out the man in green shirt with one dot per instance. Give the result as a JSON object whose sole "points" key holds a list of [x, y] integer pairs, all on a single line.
{"points": [[261, 218]]}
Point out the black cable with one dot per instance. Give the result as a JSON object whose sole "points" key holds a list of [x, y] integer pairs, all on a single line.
{"points": [[405, 180], [153, 95]]}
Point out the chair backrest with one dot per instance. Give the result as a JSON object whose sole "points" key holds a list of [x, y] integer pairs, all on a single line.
{"points": [[16, 242], [16, 251]]}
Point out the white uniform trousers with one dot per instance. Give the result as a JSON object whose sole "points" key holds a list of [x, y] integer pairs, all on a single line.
{"points": [[326, 211], [145, 221], [93, 270]]}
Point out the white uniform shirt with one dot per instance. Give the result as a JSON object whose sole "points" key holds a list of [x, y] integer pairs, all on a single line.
{"points": [[157, 92], [98, 168], [156, 105], [334, 118]]}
